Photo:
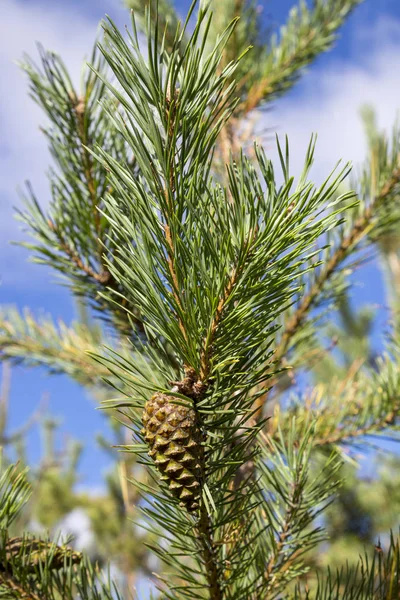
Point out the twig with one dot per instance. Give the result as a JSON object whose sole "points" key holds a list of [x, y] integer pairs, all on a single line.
{"points": [[104, 277], [209, 555], [354, 236], [208, 345], [269, 85], [341, 436], [212, 332], [269, 574], [24, 429], [79, 106], [168, 191]]}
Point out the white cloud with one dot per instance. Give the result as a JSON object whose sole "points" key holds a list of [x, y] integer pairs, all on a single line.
{"points": [[19, 118], [60, 27], [77, 524]]}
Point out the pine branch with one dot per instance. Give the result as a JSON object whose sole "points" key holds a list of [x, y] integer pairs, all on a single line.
{"points": [[203, 274], [171, 108], [233, 280], [208, 343], [167, 17], [212, 277], [73, 236], [60, 348], [204, 524], [249, 35], [103, 277], [349, 412], [376, 426], [292, 499], [378, 578], [35, 569], [308, 33], [79, 107], [370, 220], [32, 551], [14, 494], [212, 570], [16, 589], [270, 68], [358, 231], [39, 569]]}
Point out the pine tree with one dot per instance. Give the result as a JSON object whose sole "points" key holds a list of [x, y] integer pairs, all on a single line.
{"points": [[213, 272]]}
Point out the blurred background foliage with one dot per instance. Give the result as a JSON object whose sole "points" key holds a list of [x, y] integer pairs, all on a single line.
{"points": [[368, 505]]}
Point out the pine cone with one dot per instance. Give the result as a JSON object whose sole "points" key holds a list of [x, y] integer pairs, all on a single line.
{"points": [[33, 551], [174, 438]]}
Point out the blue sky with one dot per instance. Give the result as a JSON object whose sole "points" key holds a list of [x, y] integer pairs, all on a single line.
{"points": [[363, 67]]}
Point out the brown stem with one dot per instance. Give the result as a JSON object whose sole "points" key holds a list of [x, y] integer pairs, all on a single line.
{"points": [[308, 300], [172, 100], [209, 555], [104, 277], [208, 346], [80, 112], [224, 147], [270, 84], [212, 332], [280, 543]]}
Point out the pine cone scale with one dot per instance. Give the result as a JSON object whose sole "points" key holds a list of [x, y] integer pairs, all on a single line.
{"points": [[172, 434]]}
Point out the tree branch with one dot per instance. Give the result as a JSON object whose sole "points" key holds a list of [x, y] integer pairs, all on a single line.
{"points": [[170, 115], [304, 37], [79, 107], [62, 349], [357, 232], [339, 436], [212, 332], [209, 555], [208, 345], [104, 277]]}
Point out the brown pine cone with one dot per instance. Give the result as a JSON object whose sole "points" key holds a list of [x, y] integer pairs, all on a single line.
{"points": [[34, 551], [173, 435]]}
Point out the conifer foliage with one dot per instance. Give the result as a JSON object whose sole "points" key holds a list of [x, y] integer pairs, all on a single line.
{"points": [[32, 568], [213, 268]]}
